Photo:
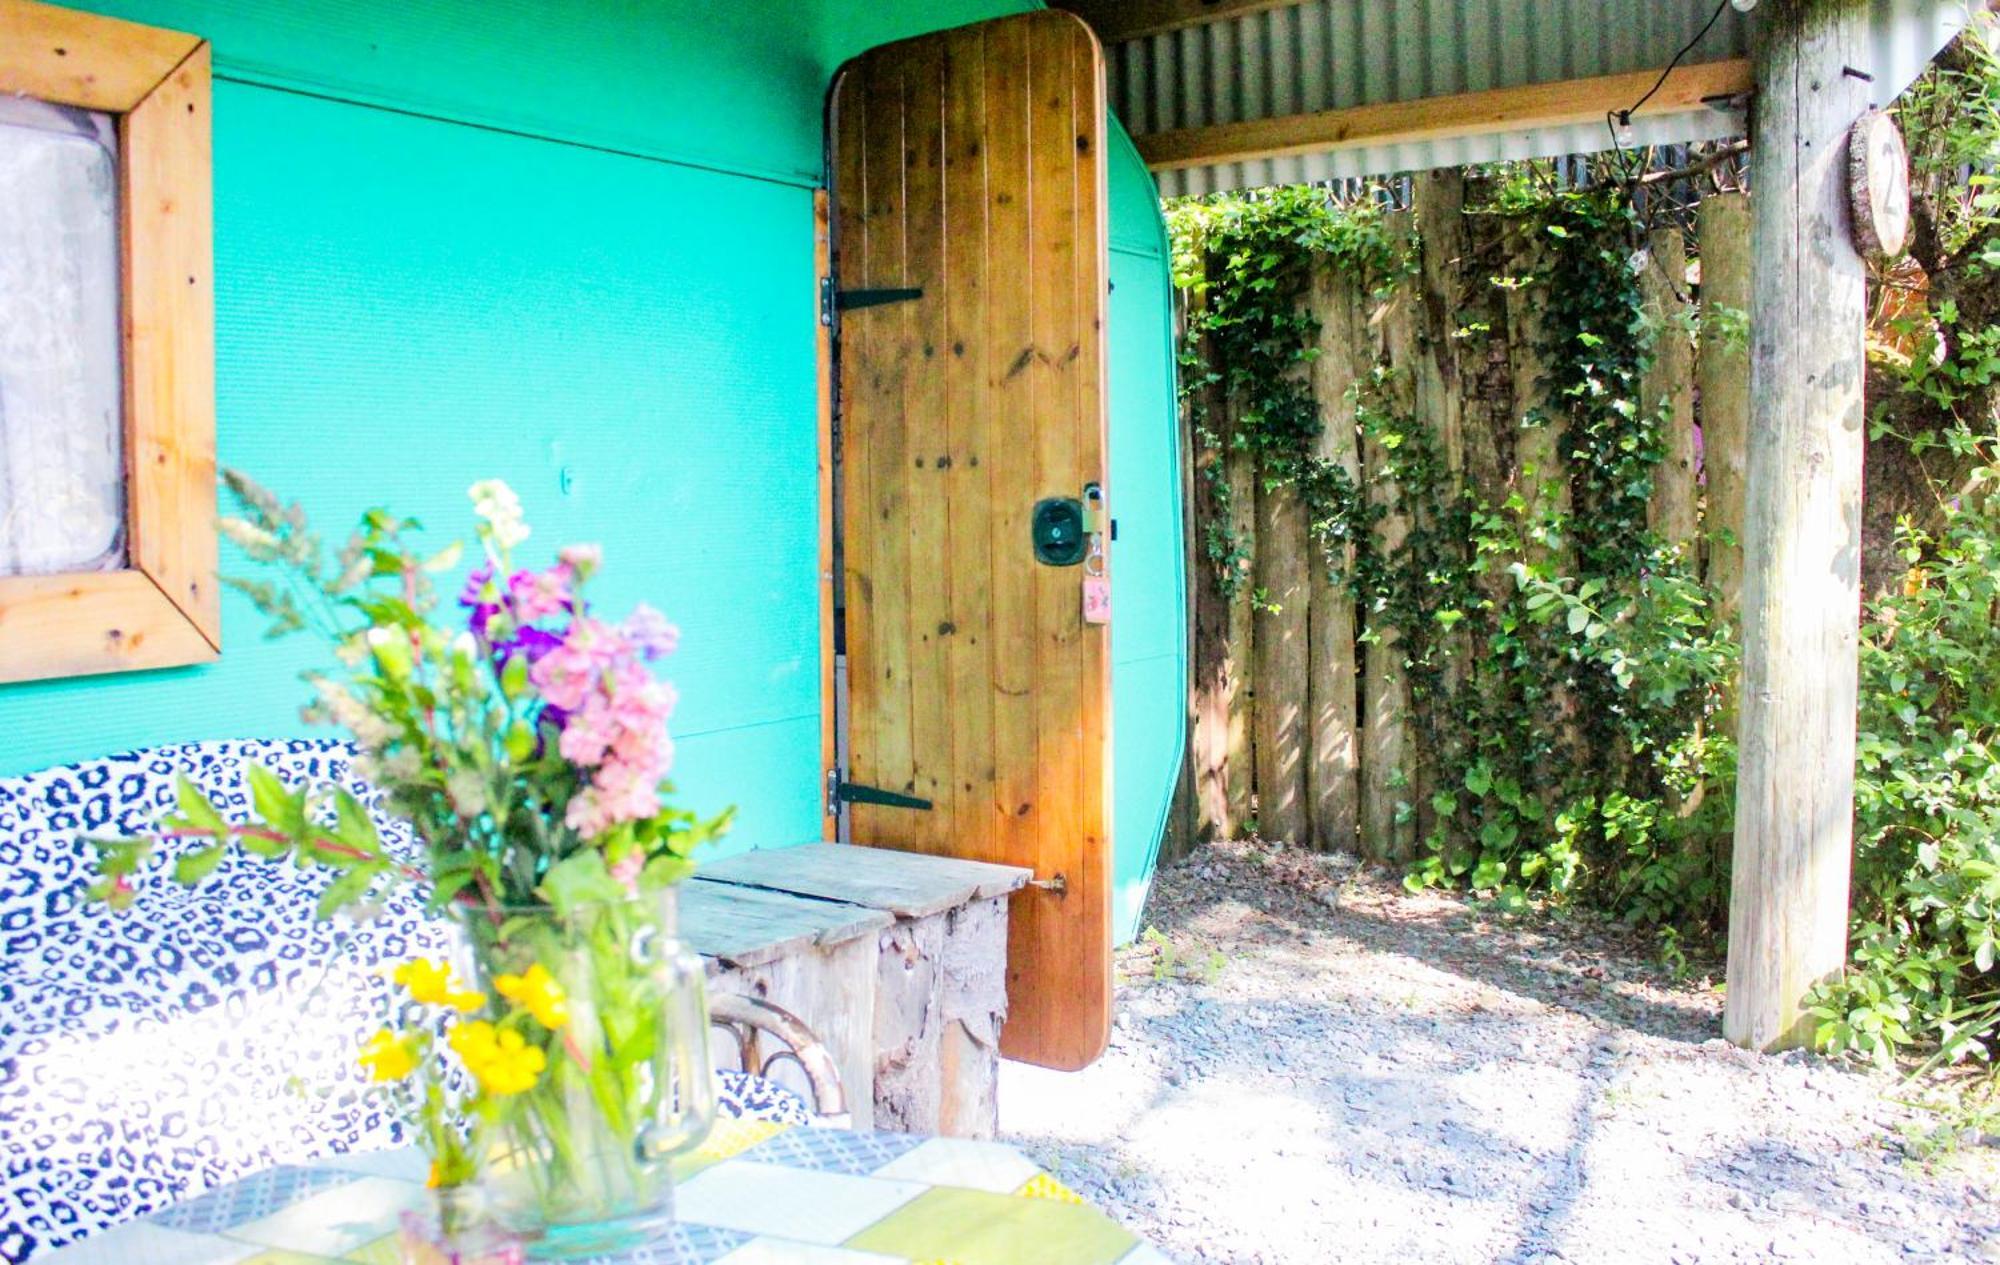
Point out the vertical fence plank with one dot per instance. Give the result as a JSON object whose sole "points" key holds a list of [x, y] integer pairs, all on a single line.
{"points": [[1333, 771], [1239, 473], [1722, 372], [1279, 658], [1385, 753], [1668, 386]]}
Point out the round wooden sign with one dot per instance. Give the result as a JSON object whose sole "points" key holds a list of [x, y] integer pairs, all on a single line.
{"points": [[1878, 185]]}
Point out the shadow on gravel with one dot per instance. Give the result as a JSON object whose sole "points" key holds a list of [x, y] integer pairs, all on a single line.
{"points": [[1561, 966]]}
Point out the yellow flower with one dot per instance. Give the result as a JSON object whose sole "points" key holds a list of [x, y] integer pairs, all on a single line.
{"points": [[537, 991], [431, 983], [388, 1056], [499, 1059]]}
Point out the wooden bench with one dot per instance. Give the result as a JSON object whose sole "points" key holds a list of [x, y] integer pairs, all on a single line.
{"points": [[897, 961]]}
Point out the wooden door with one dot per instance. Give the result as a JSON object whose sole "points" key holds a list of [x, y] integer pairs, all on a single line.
{"points": [[968, 165]]}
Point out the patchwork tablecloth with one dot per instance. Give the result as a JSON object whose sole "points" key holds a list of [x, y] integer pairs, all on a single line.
{"points": [[756, 1192]]}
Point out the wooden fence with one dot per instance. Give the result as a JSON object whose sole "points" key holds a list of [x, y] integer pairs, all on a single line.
{"points": [[1301, 725]]}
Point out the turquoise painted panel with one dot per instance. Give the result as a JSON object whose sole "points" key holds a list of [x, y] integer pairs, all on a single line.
{"points": [[1148, 624], [405, 305], [446, 249], [734, 86]]}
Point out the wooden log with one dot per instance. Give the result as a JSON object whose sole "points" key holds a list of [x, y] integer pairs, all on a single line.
{"points": [[1540, 470], [1215, 678], [1333, 769], [1802, 517], [1283, 600], [1386, 833], [1668, 387], [1722, 374], [1239, 473]]}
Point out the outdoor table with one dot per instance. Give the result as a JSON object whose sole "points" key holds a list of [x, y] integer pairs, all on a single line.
{"points": [[755, 1192]]}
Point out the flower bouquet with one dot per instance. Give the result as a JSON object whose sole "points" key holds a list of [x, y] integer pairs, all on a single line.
{"points": [[552, 1074]]}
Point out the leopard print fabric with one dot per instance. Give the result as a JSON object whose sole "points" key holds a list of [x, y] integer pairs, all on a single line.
{"points": [[150, 1055]]}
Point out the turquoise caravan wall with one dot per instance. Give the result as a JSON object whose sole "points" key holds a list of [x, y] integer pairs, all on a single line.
{"points": [[569, 245]]}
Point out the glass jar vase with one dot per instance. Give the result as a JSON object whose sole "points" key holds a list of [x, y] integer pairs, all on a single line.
{"points": [[577, 1163]]}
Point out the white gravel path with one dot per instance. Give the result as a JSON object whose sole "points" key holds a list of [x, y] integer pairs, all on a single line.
{"points": [[1367, 1076]]}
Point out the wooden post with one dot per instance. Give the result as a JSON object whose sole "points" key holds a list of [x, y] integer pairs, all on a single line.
{"points": [[1239, 469], [1333, 774], [1722, 372], [1219, 647], [1279, 656], [1801, 526], [1385, 706], [1668, 386]]}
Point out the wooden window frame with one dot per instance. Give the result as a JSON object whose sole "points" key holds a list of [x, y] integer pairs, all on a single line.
{"points": [[163, 608]]}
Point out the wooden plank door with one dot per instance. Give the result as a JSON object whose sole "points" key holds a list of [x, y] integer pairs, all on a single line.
{"points": [[968, 165]]}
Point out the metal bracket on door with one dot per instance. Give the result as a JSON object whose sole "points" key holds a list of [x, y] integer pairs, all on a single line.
{"points": [[840, 791], [832, 300]]}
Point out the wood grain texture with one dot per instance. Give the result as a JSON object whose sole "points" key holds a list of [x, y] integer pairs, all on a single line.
{"points": [[91, 622], [748, 926], [832, 987], [1239, 639], [1801, 529], [81, 59], [1387, 743], [170, 342], [1333, 770], [1441, 118], [906, 884], [1280, 664], [166, 610], [1722, 374], [1668, 386], [975, 682]]}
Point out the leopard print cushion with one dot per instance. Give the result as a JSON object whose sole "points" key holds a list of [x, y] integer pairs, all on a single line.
{"points": [[150, 1055]]}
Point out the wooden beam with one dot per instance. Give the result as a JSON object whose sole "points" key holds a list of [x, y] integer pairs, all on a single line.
{"points": [[1444, 118], [1116, 20], [1801, 527], [81, 59]]}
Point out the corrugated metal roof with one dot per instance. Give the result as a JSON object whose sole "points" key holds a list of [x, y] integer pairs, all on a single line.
{"points": [[1332, 54]]}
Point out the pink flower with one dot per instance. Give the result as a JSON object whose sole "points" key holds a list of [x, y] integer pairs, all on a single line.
{"points": [[649, 632], [615, 721], [582, 559], [536, 594], [626, 870]]}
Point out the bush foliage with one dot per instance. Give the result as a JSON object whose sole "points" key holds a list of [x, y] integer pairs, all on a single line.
{"points": [[1573, 721]]}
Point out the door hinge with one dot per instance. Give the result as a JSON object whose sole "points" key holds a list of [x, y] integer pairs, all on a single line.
{"points": [[840, 791], [832, 301]]}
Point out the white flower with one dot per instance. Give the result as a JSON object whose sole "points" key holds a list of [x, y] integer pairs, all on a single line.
{"points": [[371, 732], [467, 791], [495, 502]]}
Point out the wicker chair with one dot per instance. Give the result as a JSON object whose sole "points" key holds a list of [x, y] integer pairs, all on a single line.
{"points": [[754, 1024]]}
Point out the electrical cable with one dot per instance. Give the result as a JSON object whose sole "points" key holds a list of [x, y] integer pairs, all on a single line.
{"points": [[1616, 119]]}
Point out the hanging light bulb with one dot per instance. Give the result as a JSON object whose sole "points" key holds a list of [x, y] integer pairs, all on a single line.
{"points": [[1627, 136]]}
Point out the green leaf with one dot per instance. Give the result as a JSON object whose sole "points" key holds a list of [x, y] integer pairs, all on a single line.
{"points": [[345, 890], [278, 807], [354, 825], [196, 808], [1579, 618], [580, 879], [195, 866]]}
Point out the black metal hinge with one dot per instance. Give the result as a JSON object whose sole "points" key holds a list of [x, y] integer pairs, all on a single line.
{"points": [[832, 300], [839, 791]]}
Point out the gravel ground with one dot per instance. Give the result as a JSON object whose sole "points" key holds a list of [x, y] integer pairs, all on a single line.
{"points": [[1314, 1066]]}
